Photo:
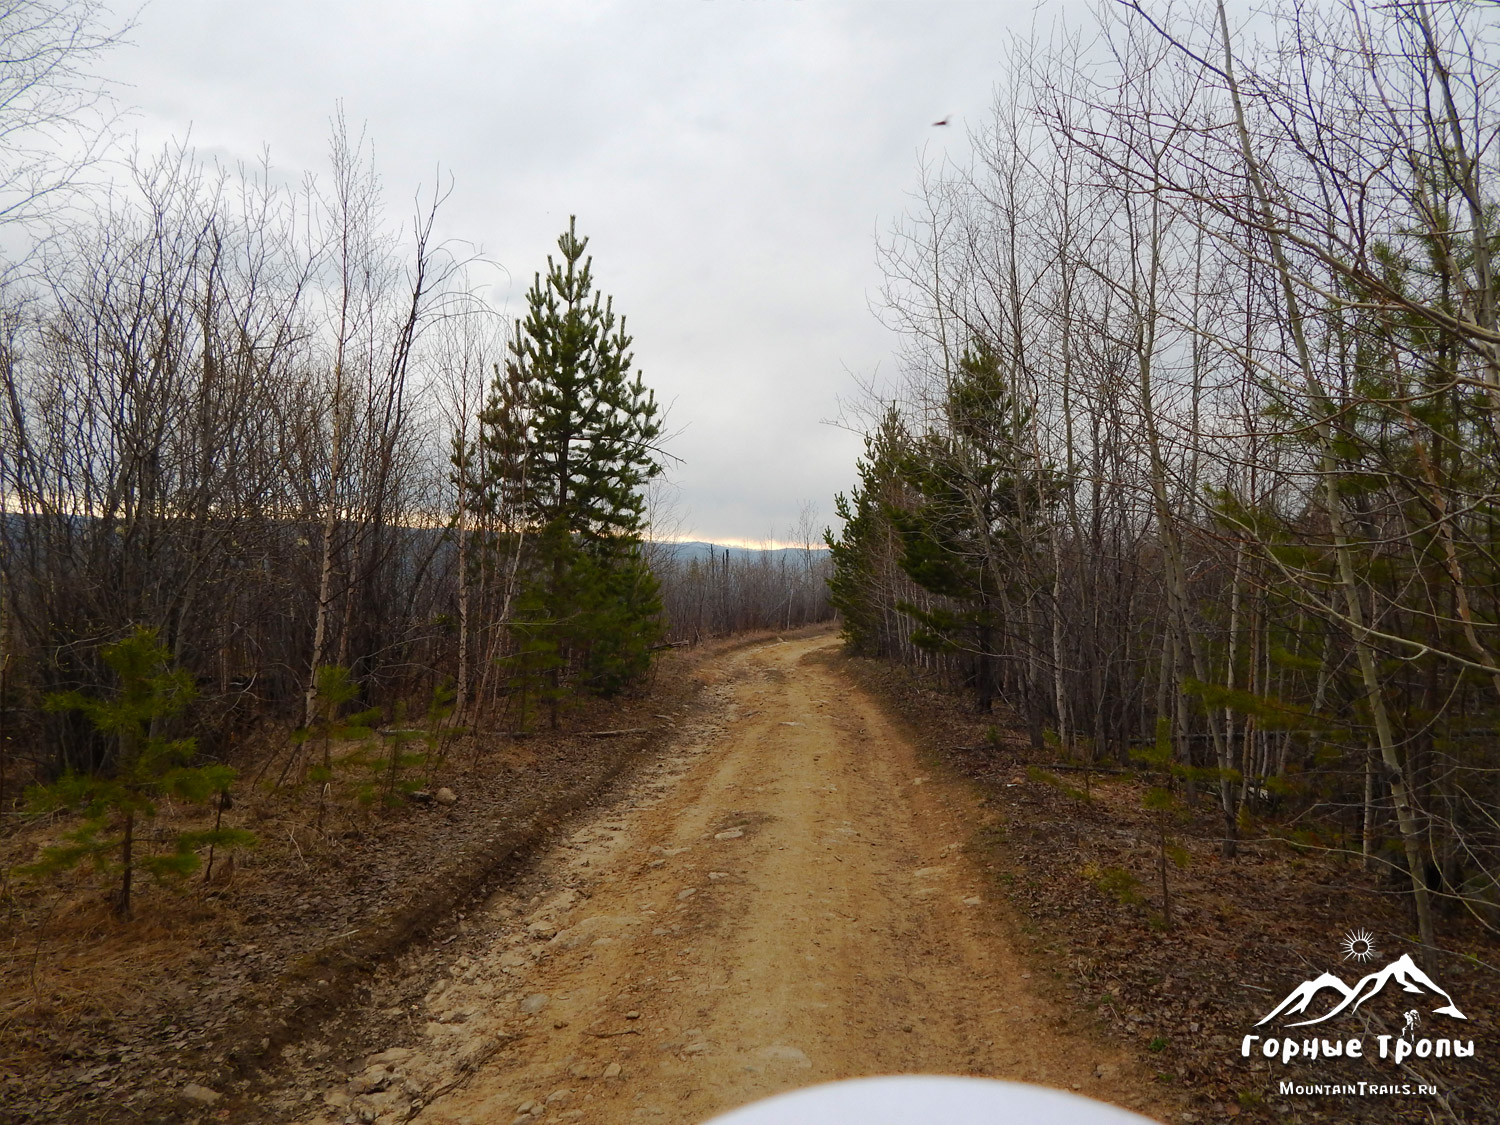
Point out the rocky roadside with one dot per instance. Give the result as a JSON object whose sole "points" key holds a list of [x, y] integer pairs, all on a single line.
{"points": [[183, 1013]]}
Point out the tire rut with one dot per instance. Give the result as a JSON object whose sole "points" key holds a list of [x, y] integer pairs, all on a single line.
{"points": [[785, 897]]}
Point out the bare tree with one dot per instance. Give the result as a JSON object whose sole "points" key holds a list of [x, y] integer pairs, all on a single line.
{"points": [[55, 111], [1246, 293]]}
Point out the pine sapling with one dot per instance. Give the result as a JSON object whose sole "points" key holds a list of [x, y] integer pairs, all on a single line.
{"points": [[147, 767], [1163, 802]]}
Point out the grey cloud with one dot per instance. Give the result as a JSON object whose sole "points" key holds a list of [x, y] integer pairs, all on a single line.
{"points": [[732, 163]]}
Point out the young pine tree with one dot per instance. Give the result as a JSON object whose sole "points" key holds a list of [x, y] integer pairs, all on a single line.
{"points": [[975, 506], [866, 550], [148, 767], [570, 433]]}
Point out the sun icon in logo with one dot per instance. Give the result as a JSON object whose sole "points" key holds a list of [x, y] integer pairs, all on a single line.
{"points": [[1358, 945]]}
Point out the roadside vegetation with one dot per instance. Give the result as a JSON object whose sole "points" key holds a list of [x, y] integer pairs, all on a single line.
{"points": [[303, 546], [356, 512], [1135, 925], [1194, 464]]}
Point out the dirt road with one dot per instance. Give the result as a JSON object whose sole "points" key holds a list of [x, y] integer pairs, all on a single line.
{"points": [[785, 898]]}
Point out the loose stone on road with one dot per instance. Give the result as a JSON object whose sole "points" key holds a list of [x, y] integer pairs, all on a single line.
{"points": [[783, 898]]}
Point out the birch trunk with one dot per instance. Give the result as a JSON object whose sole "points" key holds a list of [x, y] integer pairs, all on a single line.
{"points": [[1354, 613]]}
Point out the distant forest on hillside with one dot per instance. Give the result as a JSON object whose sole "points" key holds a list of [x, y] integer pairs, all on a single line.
{"points": [[283, 448]]}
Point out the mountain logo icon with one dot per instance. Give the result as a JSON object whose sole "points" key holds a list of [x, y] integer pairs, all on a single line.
{"points": [[1402, 971]]}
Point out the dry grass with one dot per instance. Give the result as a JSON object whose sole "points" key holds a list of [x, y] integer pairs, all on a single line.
{"points": [[85, 996], [66, 959], [67, 962]]}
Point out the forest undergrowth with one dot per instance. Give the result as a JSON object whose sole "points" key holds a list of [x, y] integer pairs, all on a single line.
{"points": [[209, 981], [1078, 859]]}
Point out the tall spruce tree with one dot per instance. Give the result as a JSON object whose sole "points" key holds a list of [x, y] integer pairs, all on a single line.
{"points": [[858, 587], [976, 504], [570, 432]]}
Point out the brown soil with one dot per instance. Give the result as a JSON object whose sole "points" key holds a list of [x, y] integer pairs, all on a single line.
{"points": [[1077, 856], [208, 983], [806, 867], [787, 896]]}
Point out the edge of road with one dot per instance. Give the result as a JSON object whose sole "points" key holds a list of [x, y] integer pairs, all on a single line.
{"points": [[326, 979]]}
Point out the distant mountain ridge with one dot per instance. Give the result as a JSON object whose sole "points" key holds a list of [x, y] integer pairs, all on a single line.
{"points": [[1403, 970], [698, 550]]}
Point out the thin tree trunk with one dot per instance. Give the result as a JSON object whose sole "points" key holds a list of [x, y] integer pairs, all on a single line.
{"points": [[1406, 818], [127, 866]]}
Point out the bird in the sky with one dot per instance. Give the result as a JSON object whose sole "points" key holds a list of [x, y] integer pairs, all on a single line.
{"points": [[944, 121]]}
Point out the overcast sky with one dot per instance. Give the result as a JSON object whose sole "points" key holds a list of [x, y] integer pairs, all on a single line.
{"points": [[733, 163]]}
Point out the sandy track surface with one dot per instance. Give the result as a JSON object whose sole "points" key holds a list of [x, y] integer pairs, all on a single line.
{"points": [[784, 898]]}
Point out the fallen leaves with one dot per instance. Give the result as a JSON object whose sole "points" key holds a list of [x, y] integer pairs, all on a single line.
{"points": [[1079, 862]]}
